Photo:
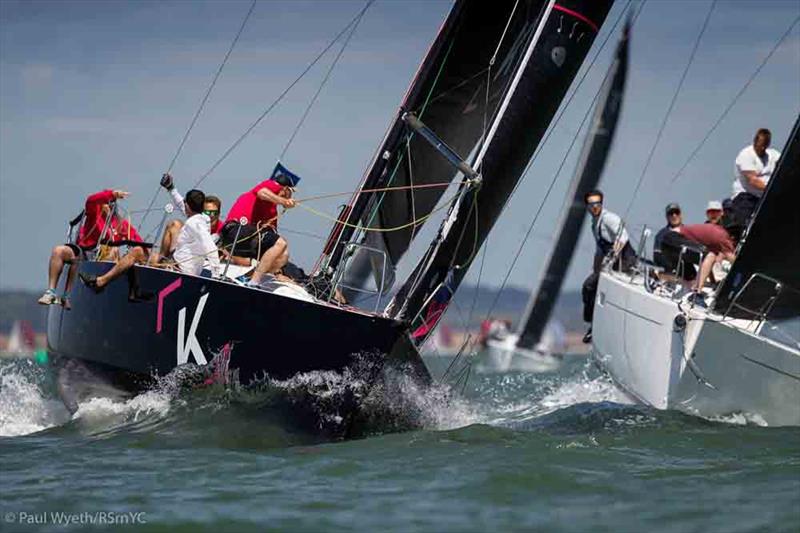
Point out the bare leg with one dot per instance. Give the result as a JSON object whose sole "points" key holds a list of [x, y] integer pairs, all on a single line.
{"points": [[135, 255], [270, 262], [705, 270], [58, 256], [169, 241]]}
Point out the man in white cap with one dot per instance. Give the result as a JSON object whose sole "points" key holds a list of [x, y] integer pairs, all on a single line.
{"points": [[714, 212]]}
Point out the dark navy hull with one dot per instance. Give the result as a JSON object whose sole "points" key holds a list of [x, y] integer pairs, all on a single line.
{"points": [[147, 323]]}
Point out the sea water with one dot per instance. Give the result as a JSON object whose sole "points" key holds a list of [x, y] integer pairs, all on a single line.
{"points": [[561, 451]]}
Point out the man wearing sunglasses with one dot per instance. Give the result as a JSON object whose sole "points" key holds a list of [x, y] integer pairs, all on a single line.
{"points": [[612, 241], [667, 247], [211, 207]]}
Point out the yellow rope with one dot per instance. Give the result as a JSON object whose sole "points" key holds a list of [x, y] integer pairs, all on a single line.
{"points": [[380, 230], [443, 184], [262, 226]]}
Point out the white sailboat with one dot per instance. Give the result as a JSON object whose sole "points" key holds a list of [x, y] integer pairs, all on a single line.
{"points": [[739, 356]]}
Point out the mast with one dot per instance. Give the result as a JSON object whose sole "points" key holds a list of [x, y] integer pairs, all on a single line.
{"points": [[587, 174], [771, 245], [549, 45]]}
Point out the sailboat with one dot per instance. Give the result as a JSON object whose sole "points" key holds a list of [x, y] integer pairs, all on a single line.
{"points": [[535, 345], [741, 355], [21, 341], [492, 96]]}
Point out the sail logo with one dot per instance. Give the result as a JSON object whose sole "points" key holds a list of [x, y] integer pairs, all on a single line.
{"points": [[188, 344]]}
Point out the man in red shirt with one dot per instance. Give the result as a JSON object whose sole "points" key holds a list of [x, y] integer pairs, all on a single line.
{"points": [[257, 238], [98, 226], [117, 232], [717, 240]]}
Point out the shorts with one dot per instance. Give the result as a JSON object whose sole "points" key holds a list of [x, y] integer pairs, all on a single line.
{"points": [[80, 253], [251, 242]]}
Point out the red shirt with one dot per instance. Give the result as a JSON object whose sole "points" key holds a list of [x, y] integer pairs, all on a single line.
{"points": [[712, 236], [216, 228], [254, 210], [94, 225]]}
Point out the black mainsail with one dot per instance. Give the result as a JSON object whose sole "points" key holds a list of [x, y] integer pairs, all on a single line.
{"points": [[587, 175], [475, 46], [771, 246], [547, 42]]}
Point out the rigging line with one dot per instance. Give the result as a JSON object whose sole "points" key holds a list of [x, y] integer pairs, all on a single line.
{"points": [[324, 80], [213, 83], [374, 210], [735, 99], [671, 106], [202, 104], [411, 183], [555, 177], [379, 230], [277, 100], [443, 184]]}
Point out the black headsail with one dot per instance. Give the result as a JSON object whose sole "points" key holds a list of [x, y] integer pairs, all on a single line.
{"points": [[449, 93], [771, 246], [587, 175], [549, 45]]}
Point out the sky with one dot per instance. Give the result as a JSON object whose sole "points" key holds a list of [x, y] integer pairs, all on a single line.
{"points": [[97, 95]]}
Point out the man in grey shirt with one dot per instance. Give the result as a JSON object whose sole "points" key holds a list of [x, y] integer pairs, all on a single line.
{"points": [[612, 240]]}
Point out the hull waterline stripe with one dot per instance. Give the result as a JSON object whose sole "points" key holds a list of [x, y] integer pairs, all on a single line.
{"points": [[162, 294], [577, 16]]}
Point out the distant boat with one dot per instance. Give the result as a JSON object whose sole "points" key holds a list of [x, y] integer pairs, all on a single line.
{"points": [[502, 353], [21, 341], [535, 344]]}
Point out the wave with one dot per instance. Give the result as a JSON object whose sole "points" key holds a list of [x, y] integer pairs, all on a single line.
{"points": [[26, 405]]}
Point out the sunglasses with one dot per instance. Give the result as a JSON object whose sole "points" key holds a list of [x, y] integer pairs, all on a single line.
{"points": [[673, 213], [211, 212], [594, 204]]}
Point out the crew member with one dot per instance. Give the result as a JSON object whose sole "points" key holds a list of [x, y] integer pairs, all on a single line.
{"points": [[720, 246], [714, 212], [100, 224], [667, 247], [754, 167], [195, 248], [612, 241], [211, 207], [258, 238]]}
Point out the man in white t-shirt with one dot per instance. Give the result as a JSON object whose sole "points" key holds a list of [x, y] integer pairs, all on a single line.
{"points": [[754, 166], [195, 249]]}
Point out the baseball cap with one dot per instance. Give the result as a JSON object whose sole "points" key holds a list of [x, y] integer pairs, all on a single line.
{"points": [[672, 207], [714, 205]]}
